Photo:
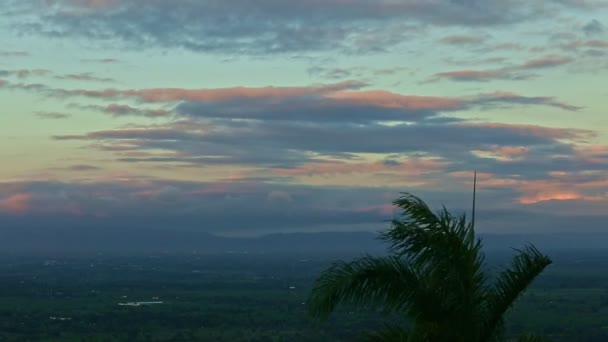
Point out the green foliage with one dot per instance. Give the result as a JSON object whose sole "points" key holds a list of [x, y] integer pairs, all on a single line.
{"points": [[436, 277]]}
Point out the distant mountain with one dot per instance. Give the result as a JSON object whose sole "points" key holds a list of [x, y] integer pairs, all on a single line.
{"points": [[72, 240], [127, 241]]}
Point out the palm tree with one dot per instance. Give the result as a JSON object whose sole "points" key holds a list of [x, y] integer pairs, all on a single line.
{"points": [[435, 275]]}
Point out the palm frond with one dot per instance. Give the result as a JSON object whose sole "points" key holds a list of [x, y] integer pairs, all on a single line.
{"points": [[389, 334], [533, 338], [416, 217], [418, 228], [443, 248], [511, 283], [386, 282]]}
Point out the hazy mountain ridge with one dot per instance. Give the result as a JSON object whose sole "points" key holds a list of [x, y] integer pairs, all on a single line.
{"points": [[84, 241]]}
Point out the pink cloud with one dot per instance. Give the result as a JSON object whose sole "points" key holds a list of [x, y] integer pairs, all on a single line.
{"points": [[40, 202], [550, 195], [597, 154], [392, 100], [560, 187], [18, 203], [220, 94], [340, 91]]}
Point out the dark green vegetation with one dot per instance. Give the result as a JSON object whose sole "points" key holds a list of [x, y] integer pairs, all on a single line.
{"points": [[235, 297], [435, 276]]}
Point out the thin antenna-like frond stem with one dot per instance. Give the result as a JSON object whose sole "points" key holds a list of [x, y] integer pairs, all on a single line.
{"points": [[474, 198]]}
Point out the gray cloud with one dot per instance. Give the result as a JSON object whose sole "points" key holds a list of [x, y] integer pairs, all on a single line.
{"points": [[290, 144], [265, 207], [85, 76], [594, 27], [214, 203], [267, 26], [506, 73], [120, 110], [462, 39], [4, 53], [83, 167], [287, 127], [52, 115], [101, 60], [544, 62], [301, 109], [24, 73]]}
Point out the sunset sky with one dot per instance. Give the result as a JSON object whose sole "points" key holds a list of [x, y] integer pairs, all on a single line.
{"points": [[254, 116]]}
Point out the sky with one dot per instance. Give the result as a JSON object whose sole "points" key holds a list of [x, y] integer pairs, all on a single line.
{"points": [[244, 117]]}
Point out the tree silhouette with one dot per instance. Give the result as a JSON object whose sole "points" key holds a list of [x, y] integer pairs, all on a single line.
{"points": [[435, 275]]}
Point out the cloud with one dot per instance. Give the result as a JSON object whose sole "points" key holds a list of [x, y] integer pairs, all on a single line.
{"points": [[472, 75], [291, 127], [505, 73], [534, 130], [52, 115], [221, 94], [90, 4], [17, 203], [584, 4], [83, 167], [508, 46], [120, 110], [554, 188], [101, 60], [85, 76], [592, 28], [353, 72], [462, 39], [318, 155], [505, 97], [24, 73], [279, 196], [544, 62], [4, 53], [575, 44], [335, 134], [298, 148], [408, 167], [261, 206], [266, 27], [267, 207]]}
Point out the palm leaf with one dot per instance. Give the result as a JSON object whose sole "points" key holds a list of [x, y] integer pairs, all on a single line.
{"points": [[387, 282], [533, 338], [420, 233], [443, 248], [511, 283], [389, 334]]}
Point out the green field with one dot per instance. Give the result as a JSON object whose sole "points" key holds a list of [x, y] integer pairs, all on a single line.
{"points": [[248, 298]]}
